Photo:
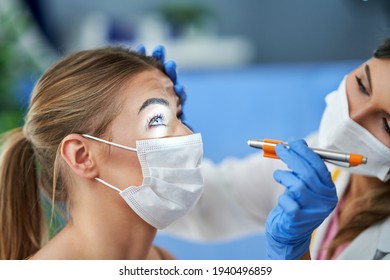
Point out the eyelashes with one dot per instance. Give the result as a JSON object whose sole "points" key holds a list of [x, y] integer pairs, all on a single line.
{"points": [[155, 121], [386, 126], [362, 88], [160, 119]]}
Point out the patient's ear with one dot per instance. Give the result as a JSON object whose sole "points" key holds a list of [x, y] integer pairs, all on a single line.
{"points": [[78, 155]]}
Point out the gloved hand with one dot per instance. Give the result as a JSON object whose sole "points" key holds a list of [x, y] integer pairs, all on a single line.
{"points": [[310, 196], [169, 68]]}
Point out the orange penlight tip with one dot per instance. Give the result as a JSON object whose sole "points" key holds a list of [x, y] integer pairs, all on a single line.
{"points": [[355, 159]]}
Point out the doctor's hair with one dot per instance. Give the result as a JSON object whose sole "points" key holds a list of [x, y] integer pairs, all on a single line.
{"points": [[383, 51], [374, 205], [82, 93]]}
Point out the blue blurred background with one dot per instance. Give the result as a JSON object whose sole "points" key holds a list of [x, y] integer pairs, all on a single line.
{"points": [[252, 69]]}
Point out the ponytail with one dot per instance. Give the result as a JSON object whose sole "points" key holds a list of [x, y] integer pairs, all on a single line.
{"points": [[21, 218]]}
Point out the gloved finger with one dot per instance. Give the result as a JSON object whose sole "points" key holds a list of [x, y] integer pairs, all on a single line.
{"points": [[315, 215], [293, 160], [170, 70], [299, 191], [273, 218], [288, 204], [179, 89], [140, 49], [159, 53], [296, 221], [304, 171], [289, 227], [301, 148], [305, 195], [275, 225]]}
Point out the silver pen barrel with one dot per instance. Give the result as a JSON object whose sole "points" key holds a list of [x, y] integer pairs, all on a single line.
{"points": [[324, 154], [331, 155]]}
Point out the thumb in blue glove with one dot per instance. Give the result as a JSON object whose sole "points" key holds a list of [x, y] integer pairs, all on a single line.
{"points": [[170, 69], [310, 196]]}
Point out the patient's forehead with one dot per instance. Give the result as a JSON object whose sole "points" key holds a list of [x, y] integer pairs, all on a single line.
{"points": [[149, 83]]}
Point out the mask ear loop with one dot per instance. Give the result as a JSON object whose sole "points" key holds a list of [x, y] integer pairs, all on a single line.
{"points": [[108, 142], [108, 185], [113, 144]]}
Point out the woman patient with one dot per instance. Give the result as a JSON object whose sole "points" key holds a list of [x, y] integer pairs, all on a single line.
{"points": [[102, 136]]}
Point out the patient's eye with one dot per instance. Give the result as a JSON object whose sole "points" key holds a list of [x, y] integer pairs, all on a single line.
{"points": [[156, 121]]}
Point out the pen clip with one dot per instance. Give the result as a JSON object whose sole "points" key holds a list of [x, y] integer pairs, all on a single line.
{"points": [[269, 148]]}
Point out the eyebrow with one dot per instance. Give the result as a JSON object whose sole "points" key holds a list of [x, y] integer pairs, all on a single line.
{"points": [[152, 101], [367, 69]]}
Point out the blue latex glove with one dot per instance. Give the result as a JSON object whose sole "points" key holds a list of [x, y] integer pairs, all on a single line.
{"points": [[169, 68], [310, 196]]}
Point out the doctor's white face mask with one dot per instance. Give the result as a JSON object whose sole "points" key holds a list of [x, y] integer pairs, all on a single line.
{"points": [[173, 181], [338, 131]]}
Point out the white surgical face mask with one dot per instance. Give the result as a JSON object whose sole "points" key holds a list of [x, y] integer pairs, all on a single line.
{"points": [[339, 132], [173, 181]]}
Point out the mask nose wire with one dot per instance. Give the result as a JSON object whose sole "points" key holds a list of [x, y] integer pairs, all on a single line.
{"points": [[108, 142]]}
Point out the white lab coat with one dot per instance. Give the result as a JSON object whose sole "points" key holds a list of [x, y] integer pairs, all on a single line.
{"points": [[372, 243]]}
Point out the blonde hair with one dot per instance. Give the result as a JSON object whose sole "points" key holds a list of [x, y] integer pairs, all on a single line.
{"points": [[373, 207], [79, 94]]}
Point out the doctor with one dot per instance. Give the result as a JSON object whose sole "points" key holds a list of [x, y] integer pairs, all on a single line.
{"points": [[357, 118]]}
